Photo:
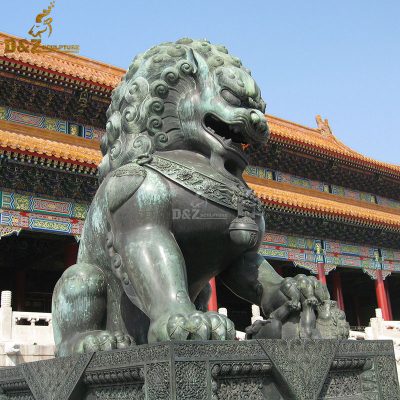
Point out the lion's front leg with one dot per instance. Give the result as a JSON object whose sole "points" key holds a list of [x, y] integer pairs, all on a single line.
{"points": [[80, 313], [152, 263], [145, 256]]}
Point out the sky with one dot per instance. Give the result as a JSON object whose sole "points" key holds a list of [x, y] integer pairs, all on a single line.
{"points": [[339, 59]]}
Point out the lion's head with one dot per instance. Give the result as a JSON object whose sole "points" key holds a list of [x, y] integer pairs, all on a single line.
{"points": [[185, 95]]}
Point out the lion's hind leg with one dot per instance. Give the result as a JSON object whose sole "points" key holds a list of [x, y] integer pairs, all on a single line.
{"points": [[79, 312]]}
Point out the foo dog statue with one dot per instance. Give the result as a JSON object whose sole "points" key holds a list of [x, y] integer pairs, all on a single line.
{"points": [[172, 211]]}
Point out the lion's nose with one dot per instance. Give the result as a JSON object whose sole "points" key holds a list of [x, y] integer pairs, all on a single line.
{"points": [[254, 117], [259, 122]]}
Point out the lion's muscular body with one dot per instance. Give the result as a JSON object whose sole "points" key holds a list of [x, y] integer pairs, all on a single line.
{"points": [[154, 217], [173, 210]]}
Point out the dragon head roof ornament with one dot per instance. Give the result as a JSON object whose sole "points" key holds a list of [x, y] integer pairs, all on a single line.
{"points": [[188, 95]]}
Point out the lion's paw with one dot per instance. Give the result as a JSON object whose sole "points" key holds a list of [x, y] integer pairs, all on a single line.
{"points": [[193, 326], [105, 340], [222, 328], [311, 301]]}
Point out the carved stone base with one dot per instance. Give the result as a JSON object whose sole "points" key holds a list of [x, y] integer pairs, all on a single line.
{"points": [[254, 369]]}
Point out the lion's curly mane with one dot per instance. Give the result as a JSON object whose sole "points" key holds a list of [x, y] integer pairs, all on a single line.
{"points": [[142, 117]]}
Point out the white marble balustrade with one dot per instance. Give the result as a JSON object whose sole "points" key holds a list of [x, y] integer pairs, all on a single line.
{"points": [[24, 336]]}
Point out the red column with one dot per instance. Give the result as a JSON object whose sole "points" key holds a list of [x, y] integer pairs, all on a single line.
{"points": [[337, 289], [213, 303], [321, 273], [388, 299], [70, 254], [381, 295]]}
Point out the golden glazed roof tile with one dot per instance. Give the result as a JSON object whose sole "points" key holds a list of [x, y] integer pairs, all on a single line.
{"points": [[277, 194], [318, 139], [68, 64], [43, 147], [37, 142], [322, 139]]}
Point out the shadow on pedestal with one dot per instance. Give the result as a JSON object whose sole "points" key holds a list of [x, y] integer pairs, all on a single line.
{"points": [[254, 369]]}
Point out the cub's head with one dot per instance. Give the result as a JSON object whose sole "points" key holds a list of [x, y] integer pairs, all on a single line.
{"points": [[188, 95]]}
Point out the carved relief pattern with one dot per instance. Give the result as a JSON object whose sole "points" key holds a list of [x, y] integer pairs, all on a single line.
{"points": [[13, 373], [158, 381], [55, 379], [240, 389], [250, 349], [236, 368], [303, 364], [387, 377], [341, 370], [204, 185], [15, 388], [369, 382], [346, 383], [19, 396], [113, 376], [370, 396], [245, 379], [126, 392], [139, 354], [191, 380], [347, 347]]}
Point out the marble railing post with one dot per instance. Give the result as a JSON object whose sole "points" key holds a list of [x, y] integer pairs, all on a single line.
{"points": [[388, 299], [5, 316], [256, 313]]}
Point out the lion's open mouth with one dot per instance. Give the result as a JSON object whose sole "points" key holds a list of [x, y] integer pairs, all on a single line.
{"points": [[232, 136]]}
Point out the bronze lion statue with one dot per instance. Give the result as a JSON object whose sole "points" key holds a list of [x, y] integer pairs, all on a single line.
{"points": [[172, 211]]}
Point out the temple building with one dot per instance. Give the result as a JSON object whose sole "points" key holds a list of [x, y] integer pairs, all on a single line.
{"points": [[329, 210]]}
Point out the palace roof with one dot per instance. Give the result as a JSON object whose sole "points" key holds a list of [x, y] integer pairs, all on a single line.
{"points": [[322, 140], [284, 196], [41, 143], [69, 65], [316, 140]]}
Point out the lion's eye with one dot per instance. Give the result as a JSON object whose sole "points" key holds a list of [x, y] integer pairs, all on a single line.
{"points": [[230, 97]]}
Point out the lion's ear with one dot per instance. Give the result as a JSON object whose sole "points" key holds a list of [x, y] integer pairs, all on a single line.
{"points": [[192, 58]]}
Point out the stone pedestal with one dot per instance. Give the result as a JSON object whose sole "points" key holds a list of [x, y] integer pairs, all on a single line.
{"points": [[255, 369]]}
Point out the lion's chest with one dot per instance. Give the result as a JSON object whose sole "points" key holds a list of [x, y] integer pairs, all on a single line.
{"points": [[202, 230]]}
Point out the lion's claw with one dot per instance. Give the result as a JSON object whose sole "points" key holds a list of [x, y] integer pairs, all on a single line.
{"points": [[105, 340], [194, 326], [294, 305], [222, 328], [312, 301]]}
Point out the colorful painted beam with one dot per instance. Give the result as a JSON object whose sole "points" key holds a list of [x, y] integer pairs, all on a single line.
{"points": [[48, 123], [23, 211], [41, 222], [311, 253], [22, 202], [266, 173]]}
